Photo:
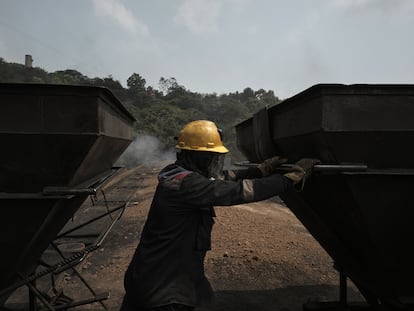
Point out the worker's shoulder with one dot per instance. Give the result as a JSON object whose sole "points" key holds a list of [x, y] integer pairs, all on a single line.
{"points": [[173, 171], [172, 176]]}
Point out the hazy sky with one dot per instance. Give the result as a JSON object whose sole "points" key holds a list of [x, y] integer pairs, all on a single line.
{"points": [[216, 45]]}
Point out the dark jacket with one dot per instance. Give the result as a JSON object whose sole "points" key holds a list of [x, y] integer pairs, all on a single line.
{"points": [[168, 264]]}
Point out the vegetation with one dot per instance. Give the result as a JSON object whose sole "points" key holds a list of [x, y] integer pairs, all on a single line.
{"points": [[162, 111]]}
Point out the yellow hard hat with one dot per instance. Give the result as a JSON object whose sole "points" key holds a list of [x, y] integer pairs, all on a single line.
{"points": [[201, 135]]}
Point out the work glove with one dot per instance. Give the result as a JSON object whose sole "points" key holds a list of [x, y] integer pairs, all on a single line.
{"points": [[269, 166], [301, 170]]}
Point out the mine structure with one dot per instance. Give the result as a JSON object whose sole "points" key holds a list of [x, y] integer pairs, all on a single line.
{"points": [[59, 146], [358, 202]]}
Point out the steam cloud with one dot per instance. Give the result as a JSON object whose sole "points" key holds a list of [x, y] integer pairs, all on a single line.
{"points": [[145, 150]]}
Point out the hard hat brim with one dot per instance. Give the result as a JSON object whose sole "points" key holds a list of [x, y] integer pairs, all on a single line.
{"points": [[218, 149]]}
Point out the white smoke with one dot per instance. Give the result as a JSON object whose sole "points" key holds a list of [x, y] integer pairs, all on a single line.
{"points": [[145, 150]]}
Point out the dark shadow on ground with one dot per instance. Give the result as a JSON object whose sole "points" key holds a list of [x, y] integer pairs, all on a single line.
{"points": [[282, 299]]}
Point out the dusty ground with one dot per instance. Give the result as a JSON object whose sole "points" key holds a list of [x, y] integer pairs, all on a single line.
{"points": [[262, 257]]}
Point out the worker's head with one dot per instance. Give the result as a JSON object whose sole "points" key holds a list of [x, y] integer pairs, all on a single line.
{"points": [[201, 148], [201, 136]]}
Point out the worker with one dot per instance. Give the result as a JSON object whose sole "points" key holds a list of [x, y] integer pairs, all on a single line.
{"points": [[167, 269]]}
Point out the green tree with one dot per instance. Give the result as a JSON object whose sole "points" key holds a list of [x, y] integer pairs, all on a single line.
{"points": [[247, 93], [70, 76], [136, 84], [136, 89], [170, 87]]}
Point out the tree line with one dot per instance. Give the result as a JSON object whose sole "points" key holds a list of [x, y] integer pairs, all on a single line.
{"points": [[160, 111]]}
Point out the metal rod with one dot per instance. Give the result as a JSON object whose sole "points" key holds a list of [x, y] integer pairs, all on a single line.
{"points": [[68, 191], [90, 221], [32, 297], [30, 196], [78, 274], [98, 298], [104, 234], [343, 289], [61, 266], [38, 295], [333, 167], [354, 167]]}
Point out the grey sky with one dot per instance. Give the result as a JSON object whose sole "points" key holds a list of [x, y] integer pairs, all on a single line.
{"points": [[216, 45]]}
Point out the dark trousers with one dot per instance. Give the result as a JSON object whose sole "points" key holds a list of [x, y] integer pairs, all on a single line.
{"points": [[171, 307]]}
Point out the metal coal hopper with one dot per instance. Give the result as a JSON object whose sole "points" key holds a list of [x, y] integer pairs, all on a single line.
{"points": [[358, 203], [58, 143]]}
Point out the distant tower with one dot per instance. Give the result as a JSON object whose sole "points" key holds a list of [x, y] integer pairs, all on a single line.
{"points": [[28, 61]]}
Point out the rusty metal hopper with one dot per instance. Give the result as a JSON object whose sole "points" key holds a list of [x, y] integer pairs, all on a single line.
{"points": [[58, 143], [363, 219]]}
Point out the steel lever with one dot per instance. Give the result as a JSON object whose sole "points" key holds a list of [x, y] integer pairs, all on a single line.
{"points": [[333, 167]]}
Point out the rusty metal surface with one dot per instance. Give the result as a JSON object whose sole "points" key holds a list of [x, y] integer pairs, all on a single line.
{"points": [[52, 136], [363, 219], [58, 135]]}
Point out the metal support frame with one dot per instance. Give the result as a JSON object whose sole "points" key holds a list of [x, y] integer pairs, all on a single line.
{"points": [[71, 262], [67, 263], [342, 304], [343, 290]]}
